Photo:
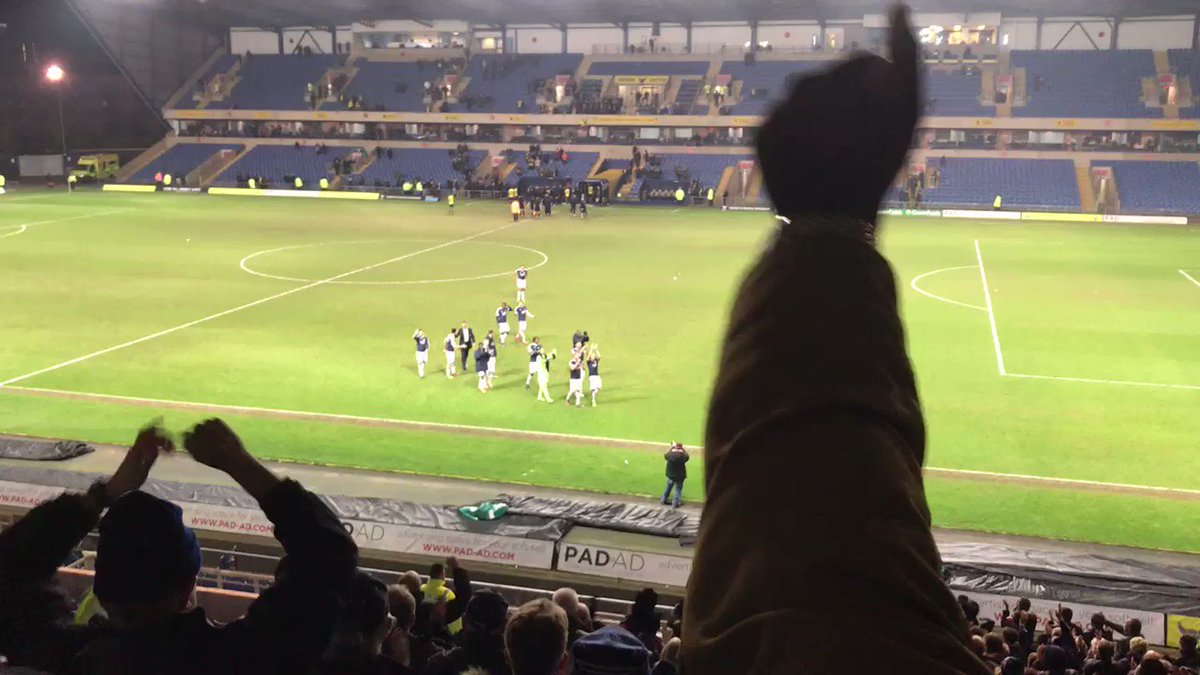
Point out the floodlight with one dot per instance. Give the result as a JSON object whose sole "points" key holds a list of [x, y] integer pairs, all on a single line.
{"points": [[55, 73]]}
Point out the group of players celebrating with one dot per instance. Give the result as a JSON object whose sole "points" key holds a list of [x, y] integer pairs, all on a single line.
{"points": [[461, 342], [539, 201]]}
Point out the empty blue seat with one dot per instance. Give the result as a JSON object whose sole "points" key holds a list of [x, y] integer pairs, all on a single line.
{"points": [[955, 93], [273, 162], [397, 86], [277, 82], [180, 160], [769, 78], [1157, 187], [647, 67], [1085, 83], [577, 167], [524, 71], [1048, 184], [423, 164]]}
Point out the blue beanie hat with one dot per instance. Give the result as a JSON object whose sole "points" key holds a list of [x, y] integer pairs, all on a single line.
{"points": [[612, 650], [145, 551]]}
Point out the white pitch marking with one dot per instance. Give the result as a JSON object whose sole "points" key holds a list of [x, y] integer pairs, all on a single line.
{"points": [[1190, 278], [248, 305], [1090, 380], [546, 435], [14, 232], [543, 435], [1069, 481], [246, 268], [26, 226], [991, 312], [927, 294]]}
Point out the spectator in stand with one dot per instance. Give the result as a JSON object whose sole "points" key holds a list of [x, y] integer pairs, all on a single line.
{"points": [[840, 419], [568, 600], [1103, 661], [146, 565], [668, 662], [611, 651], [1132, 629], [535, 639], [994, 648], [1012, 666], [365, 622], [399, 643], [1188, 656], [644, 621], [1137, 651], [1056, 661], [481, 641]]}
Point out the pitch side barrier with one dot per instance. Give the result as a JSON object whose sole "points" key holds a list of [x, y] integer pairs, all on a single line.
{"points": [[1053, 216], [576, 537]]}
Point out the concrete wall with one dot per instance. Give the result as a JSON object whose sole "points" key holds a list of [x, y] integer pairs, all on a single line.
{"points": [[253, 40]]}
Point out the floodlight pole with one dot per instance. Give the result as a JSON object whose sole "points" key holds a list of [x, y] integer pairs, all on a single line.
{"points": [[62, 125]]}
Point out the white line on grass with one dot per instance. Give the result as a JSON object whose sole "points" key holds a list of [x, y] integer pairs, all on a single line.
{"points": [[336, 417], [538, 435], [248, 305], [1061, 481], [991, 312], [246, 268], [25, 226], [1190, 278], [927, 294], [1089, 380]]}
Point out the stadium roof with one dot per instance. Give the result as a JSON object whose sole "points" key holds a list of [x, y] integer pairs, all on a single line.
{"points": [[334, 12]]}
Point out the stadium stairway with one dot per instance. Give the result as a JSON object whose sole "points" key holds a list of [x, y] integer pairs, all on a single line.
{"points": [[148, 155], [1083, 176], [220, 167], [214, 165], [188, 87]]}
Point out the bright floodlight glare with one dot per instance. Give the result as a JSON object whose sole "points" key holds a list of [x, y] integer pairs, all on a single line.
{"points": [[55, 73]]}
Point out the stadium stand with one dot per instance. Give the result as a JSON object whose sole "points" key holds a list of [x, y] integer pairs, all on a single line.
{"points": [[955, 93], [763, 81], [685, 98], [274, 162], [425, 164], [394, 85], [1022, 183], [521, 75], [1085, 83], [577, 167], [1157, 187], [1186, 63], [180, 160], [276, 82], [221, 65], [648, 67]]}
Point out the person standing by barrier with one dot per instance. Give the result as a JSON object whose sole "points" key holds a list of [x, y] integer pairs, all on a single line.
{"points": [[677, 459]]}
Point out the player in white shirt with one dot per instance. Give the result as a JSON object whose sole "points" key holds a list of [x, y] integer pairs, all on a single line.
{"points": [[593, 366], [522, 275], [451, 347], [502, 313], [523, 314], [422, 351], [543, 374]]}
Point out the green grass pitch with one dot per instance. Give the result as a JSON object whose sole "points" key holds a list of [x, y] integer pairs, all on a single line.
{"points": [[1097, 327]]}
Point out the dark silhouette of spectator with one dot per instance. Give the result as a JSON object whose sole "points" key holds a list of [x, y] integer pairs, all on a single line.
{"points": [[146, 565], [843, 424], [365, 622], [612, 650], [644, 621], [480, 644], [535, 639]]}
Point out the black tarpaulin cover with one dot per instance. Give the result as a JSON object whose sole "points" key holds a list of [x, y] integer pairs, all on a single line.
{"points": [[50, 451]]}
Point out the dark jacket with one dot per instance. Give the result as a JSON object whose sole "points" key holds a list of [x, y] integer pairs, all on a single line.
{"points": [[677, 459], [474, 650], [842, 424], [376, 665], [35, 620]]}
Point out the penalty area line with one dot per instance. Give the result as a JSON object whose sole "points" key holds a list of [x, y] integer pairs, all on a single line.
{"points": [[922, 291]]}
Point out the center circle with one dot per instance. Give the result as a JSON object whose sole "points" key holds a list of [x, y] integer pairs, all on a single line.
{"points": [[245, 263]]}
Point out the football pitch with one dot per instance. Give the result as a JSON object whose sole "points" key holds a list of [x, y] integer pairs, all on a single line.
{"points": [[1059, 364]]}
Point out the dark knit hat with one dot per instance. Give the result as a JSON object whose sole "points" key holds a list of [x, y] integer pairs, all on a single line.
{"points": [[366, 605], [612, 650], [145, 551], [486, 611]]}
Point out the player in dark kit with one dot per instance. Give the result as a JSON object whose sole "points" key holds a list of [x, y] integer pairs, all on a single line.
{"points": [[466, 340], [481, 366], [422, 351], [576, 383]]}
